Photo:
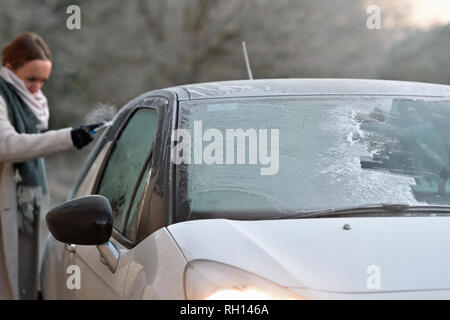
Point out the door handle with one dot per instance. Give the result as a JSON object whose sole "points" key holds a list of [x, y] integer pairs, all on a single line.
{"points": [[72, 248]]}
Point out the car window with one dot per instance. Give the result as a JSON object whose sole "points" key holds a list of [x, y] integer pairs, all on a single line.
{"points": [[126, 162], [88, 182], [136, 207], [312, 153]]}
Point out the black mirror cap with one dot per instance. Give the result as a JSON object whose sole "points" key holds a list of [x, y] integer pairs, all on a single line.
{"points": [[84, 221]]}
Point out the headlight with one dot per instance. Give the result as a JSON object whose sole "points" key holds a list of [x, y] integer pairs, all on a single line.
{"points": [[212, 280]]}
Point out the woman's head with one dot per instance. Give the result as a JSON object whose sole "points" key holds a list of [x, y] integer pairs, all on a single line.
{"points": [[29, 57]]}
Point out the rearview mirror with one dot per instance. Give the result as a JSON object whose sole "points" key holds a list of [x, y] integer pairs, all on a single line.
{"points": [[85, 221]]}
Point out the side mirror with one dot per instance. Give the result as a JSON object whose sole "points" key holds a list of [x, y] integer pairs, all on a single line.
{"points": [[85, 221]]}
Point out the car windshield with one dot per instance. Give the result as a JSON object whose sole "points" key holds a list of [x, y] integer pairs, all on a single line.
{"points": [[284, 155]]}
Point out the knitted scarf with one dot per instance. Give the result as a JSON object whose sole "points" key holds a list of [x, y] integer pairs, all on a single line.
{"points": [[29, 175]]}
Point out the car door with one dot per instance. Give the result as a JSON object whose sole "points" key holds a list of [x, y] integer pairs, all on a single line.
{"points": [[127, 165]]}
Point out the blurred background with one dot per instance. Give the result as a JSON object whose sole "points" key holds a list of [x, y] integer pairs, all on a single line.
{"points": [[125, 48]]}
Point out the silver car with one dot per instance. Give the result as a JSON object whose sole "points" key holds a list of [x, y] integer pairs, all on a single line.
{"points": [[262, 189]]}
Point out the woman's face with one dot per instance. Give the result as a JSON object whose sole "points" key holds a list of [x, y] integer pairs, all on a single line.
{"points": [[34, 74]]}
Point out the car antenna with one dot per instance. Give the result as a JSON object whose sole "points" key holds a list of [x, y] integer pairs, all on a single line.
{"points": [[247, 61]]}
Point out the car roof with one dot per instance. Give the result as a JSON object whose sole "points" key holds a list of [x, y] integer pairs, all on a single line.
{"points": [[287, 87]]}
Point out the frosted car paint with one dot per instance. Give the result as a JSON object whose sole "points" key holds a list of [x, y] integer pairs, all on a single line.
{"points": [[157, 269], [96, 279], [320, 254], [316, 258], [304, 87]]}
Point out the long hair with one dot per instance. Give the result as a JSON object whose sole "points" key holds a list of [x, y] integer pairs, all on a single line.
{"points": [[25, 47]]}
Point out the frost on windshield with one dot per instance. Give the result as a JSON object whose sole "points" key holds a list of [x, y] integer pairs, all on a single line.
{"points": [[412, 139], [333, 152]]}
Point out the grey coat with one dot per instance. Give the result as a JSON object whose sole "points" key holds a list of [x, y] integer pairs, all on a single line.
{"points": [[16, 147]]}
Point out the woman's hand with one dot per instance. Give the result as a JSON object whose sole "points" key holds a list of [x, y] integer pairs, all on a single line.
{"points": [[82, 135]]}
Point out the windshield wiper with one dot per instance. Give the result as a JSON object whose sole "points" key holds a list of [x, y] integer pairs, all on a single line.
{"points": [[382, 208]]}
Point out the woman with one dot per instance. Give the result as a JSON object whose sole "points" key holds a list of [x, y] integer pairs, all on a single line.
{"points": [[24, 113]]}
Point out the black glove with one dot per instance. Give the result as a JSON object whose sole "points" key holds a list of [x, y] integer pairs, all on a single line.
{"points": [[81, 136]]}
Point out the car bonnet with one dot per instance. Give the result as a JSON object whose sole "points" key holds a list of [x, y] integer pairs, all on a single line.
{"points": [[330, 254]]}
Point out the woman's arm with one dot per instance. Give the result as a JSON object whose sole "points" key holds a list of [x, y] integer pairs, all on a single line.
{"points": [[15, 147]]}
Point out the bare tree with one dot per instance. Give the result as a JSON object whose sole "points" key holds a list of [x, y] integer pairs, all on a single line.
{"points": [[422, 56], [125, 48]]}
